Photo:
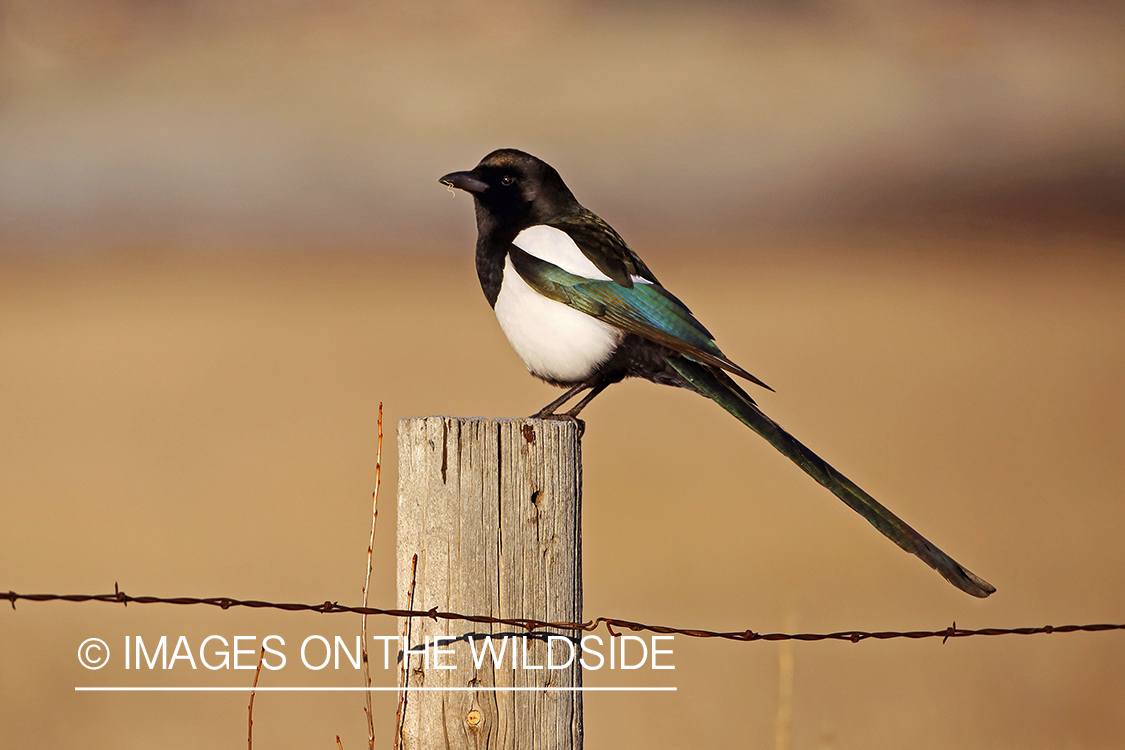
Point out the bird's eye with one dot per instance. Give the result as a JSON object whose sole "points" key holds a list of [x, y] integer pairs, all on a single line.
{"points": [[507, 180]]}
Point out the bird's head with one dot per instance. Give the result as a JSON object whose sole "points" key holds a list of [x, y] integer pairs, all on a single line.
{"points": [[513, 189]]}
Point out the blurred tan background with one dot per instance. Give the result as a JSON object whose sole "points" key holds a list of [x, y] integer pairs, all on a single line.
{"points": [[222, 244]]}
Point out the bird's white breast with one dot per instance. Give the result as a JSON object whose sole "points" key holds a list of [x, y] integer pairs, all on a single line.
{"points": [[555, 342]]}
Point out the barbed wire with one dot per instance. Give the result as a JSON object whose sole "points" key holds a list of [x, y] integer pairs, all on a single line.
{"points": [[854, 636]]}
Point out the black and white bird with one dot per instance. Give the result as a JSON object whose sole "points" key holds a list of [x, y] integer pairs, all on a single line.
{"points": [[583, 311]]}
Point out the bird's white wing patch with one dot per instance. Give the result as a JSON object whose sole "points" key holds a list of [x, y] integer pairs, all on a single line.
{"points": [[556, 247]]}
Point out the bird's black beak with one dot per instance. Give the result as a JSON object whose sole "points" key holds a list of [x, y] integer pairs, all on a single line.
{"points": [[464, 181]]}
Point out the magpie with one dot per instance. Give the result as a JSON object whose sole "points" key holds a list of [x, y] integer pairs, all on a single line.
{"points": [[583, 312]]}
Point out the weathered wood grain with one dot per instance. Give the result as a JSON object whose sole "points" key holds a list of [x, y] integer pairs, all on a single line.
{"points": [[492, 508]]}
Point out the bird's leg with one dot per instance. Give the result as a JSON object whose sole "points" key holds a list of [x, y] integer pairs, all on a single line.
{"points": [[596, 384], [594, 391], [548, 411]]}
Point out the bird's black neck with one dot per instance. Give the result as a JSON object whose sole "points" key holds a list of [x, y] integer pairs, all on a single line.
{"points": [[494, 237], [490, 265], [496, 229]]}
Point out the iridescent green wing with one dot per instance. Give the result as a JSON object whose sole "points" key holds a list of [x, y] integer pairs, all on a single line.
{"points": [[647, 310]]}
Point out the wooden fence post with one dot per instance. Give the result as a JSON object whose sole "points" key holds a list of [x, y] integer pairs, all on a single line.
{"points": [[492, 509]]}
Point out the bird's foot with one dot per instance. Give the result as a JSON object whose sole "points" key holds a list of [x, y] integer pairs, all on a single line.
{"points": [[565, 417]]}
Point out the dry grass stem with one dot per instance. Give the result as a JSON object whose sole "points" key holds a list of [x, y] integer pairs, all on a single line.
{"points": [[400, 713], [784, 695], [250, 708], [785, 664], [367, 581]]}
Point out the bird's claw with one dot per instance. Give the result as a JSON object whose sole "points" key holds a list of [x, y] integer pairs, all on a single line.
{"points": [[565, 417]]}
